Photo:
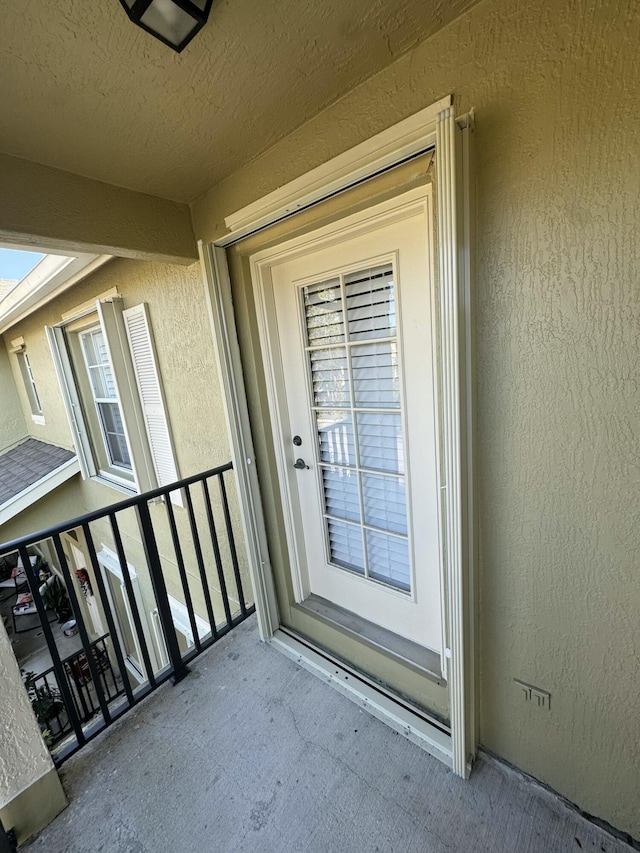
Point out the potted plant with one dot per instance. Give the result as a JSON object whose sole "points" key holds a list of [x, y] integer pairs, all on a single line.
{"points": [[55, 598], [46, 702]]}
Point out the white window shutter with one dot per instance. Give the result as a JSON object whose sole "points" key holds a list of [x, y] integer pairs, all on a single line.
{"points": [[64, 374], [138, 329]]}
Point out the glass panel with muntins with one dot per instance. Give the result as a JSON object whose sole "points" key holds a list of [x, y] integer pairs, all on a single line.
{"points": [[353, 359]]}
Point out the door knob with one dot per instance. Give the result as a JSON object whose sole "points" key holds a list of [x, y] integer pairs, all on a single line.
{"points": [[300, 464]]}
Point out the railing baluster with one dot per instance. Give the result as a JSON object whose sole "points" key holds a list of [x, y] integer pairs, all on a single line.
{"points": [[180, 669], [84, 636], [183, 574], [113, 633], [216, 552], [133, 604], [53, 649], [199, 559], [232, 543], [69, 675]]}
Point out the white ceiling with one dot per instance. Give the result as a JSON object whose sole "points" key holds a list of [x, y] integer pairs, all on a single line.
{"points": [[86, 91]]}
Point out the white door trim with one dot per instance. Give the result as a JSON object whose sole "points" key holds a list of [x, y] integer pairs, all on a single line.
{"points": [[453, 251], [399, 142]]}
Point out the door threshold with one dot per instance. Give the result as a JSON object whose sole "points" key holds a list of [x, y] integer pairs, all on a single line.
{"points": [[426, 733], [418, 658]]}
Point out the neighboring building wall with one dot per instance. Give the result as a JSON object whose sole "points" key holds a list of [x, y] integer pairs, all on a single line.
{"points": [[186, 361], [554, 86], [13, 427]]}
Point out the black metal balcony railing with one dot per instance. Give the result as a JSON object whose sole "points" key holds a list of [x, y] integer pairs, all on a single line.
{"points": [[93, 686]]}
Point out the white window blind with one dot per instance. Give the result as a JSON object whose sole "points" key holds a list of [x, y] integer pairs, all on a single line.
{"points": [[352, 348], [138, 330]]}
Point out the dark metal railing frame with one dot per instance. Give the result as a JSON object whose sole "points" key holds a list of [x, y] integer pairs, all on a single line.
{"points": [[177, 668]]}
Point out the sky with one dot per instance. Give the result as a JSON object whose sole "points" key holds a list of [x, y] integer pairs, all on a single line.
{"points": [[14, 264]]}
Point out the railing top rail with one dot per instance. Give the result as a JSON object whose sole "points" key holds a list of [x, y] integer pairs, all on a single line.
{"points": [[135, 500]]}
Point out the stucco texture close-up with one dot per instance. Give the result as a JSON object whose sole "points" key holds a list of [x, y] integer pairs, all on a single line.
{"points": [[554, 87], [23, 756]]}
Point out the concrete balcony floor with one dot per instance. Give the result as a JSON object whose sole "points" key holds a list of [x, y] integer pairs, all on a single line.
{"points": [[251, 753]]}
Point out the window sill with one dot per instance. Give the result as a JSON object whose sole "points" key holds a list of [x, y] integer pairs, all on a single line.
{"points": [[113, 484]]}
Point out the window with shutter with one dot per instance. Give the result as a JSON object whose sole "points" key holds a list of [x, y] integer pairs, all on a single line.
{"points": [[107, 368], [136, 323]]}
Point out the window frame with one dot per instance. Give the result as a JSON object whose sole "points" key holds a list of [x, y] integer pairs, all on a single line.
{"points": [[153, 463], [31, 390], [111, 471]]}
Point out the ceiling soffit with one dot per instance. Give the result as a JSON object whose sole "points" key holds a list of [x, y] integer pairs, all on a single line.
{"points": [[87, 92]]}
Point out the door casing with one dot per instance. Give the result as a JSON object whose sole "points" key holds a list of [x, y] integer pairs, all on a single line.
{"points": [[453, 148]]}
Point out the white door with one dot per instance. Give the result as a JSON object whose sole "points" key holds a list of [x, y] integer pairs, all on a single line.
{"points": [[348, 329]]}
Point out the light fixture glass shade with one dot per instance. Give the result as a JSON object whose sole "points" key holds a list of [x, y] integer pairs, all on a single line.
{"points": [[174, 22]]}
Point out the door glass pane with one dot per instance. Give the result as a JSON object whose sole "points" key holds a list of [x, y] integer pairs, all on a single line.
{"points": [[388, 559], [330, 377], [358, 383], [335, 431], [341, 493], [385, 502], [345, 543], [323, 312], [376, 382], [371, 305], [381, 441]]}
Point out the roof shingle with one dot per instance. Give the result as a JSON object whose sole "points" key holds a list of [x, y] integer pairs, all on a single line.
{"points": [[24, 465]]}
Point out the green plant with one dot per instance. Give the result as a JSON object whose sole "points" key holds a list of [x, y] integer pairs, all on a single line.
{"points": [[56, 598], [46, 701]]}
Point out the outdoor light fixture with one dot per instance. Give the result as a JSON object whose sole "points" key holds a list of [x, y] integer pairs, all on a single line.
{"points": [[174, 22]]}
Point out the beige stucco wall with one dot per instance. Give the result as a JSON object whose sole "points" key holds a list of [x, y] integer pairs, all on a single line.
{"points": [[35, 210], [186, 361], [13, 427], [24, 759], [554, 85]]}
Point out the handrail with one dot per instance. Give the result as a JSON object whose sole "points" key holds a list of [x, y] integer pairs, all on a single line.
{"points": [[94, 515], [209, 567]]}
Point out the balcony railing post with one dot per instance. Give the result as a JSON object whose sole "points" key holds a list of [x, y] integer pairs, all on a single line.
{"points": [[180, 669]]}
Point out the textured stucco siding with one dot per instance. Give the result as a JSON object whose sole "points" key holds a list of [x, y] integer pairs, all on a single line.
{"points": [[23, 756], [554, 85]]}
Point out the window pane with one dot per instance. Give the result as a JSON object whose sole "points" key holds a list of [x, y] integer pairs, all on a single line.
{"points": [[335, 434], [330, 377], [388, 559], [345, 543], [385, 502], [376, 381], [380, 441], [114, 434], [371, 306], [323, 312], [341, 493]]}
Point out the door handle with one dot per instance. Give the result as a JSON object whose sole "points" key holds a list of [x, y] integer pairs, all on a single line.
{"points": [[301, 465]]}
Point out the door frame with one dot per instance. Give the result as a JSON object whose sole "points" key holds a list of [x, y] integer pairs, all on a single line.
{"points": [[435, 127]]}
